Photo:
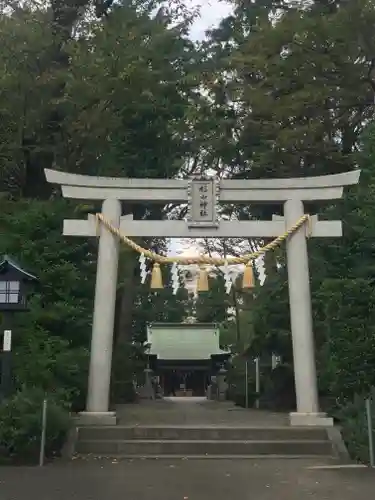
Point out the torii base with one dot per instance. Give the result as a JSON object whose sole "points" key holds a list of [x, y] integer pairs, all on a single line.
{"points": [[97, 418], [310, 420]]}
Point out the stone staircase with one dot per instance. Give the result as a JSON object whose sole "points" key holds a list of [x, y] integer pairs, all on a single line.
{"points": [[145, 441]]}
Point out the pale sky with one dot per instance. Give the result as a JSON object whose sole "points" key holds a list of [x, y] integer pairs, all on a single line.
{"points": [[211, 13]]}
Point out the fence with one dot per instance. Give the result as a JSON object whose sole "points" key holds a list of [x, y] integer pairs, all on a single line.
{"points": [[43, 433], [255, 365], [370, 433]]}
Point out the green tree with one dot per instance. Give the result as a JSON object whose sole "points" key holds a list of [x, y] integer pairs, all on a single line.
{"points": [[213, 306], [299, 91], [51, 339], [294, 94], [131, 86], [343, 286], [105, 122], [33, 85]]}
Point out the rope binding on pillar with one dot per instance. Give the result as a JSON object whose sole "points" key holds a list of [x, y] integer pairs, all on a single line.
{"points": [[202, 260]]}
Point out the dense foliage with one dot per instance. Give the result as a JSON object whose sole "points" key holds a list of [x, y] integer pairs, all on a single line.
{"points": [[20, 430], [116, 89]]}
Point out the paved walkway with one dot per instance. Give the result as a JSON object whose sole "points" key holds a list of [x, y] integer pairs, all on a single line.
{"points": [[186, 480], [196, 411], [206, 479]]}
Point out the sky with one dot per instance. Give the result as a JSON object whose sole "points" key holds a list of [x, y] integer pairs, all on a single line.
{"points": [[211, 13]]}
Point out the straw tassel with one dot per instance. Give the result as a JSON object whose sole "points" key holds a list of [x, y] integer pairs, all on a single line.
{"points": [[248, 276], [156, 278], [202, 280]]}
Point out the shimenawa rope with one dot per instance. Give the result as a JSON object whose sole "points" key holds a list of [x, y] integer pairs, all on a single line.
{"points": [[203, 259]]}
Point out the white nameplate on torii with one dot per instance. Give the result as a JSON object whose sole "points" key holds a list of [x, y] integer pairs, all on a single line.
{"points": [[203, 197]]}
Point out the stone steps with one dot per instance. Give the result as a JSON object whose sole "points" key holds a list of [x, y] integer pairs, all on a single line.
{"points": [[186, 448], [324, 460], [197, 433], [195, 442]]}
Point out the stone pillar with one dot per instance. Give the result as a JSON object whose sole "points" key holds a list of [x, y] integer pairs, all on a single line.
{"points": [[222, 386], [103, 321], [148, 389], [275, 361], [301, 323]]}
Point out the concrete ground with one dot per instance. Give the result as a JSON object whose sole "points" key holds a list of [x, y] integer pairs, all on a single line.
{"points": [[266, 479], [200, 479]]}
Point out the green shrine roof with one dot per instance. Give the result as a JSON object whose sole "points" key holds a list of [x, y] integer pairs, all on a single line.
{"points": [[179, 341]]}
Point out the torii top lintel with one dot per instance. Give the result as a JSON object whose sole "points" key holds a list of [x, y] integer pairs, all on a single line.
{"points": [[85, 187]]}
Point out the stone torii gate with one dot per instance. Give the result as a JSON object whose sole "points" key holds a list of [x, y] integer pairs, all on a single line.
{"points": [[202, 197]]}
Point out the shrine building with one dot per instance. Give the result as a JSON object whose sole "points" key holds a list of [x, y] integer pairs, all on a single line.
{"points": [[185, 356]]}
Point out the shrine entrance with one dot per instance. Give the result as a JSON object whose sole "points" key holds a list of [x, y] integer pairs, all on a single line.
{"points": [[184, 380], [203, 197]]}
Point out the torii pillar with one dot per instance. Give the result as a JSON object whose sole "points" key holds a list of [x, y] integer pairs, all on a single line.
{"points": [[291, 193], [99, 383], [302, 323]]}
